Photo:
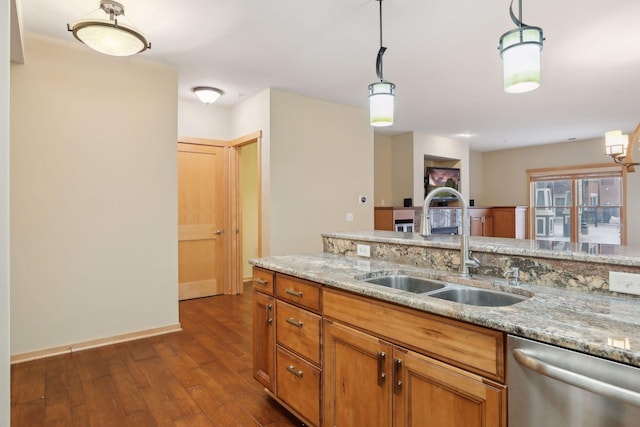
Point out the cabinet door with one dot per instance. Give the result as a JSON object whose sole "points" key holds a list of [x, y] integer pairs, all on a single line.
{"points": [[357, 378], [264, 339], [434, 394], [475, 226], [487, 229]]}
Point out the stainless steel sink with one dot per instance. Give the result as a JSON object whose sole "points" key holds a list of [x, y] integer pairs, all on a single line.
{"points": [[480, 297], [407, 283]]}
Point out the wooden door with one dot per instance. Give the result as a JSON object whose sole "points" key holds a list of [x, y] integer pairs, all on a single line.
{"points": [[434, 394], [264, 339], [202, 199], [357, 378]]}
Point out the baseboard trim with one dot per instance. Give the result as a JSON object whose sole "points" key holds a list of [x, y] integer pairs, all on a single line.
{"points": [[86, 345]]}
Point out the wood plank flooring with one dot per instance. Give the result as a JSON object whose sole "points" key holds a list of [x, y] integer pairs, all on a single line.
{"points": [[198, 377]]}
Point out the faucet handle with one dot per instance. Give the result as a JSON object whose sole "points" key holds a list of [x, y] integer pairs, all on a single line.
{"points": [[472, 261]]}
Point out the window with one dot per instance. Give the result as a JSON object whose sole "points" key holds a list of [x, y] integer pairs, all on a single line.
{"points": [[581, 205]]}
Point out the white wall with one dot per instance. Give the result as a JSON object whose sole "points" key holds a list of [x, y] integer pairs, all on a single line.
{"points": [[476, 177], [249, 181], [199, 120], [321, 161], [382, 170], [5, 392], [505, 174], [93, 196], [251, 115], [435, 146], [402, 168]]}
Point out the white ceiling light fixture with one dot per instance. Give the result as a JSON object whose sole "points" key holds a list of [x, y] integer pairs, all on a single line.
{"points": [[381, 94], [114, 35], [620, 147], [207, 94], [520, 51]]}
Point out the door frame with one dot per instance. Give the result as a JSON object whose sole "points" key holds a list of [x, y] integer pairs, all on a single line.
{"points": [[233, 213]]}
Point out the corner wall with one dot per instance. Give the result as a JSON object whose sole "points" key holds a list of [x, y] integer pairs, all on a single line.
{"points": [[5, 377], [321, 161], [93, 196], [382, 181]]}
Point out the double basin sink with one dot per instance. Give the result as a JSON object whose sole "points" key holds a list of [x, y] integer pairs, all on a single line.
{"points": [[447, 291]]}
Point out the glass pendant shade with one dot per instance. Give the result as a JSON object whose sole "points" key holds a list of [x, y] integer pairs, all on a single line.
{"points": [[381, 103], [616, 143], [112, 34], [520, 51]]}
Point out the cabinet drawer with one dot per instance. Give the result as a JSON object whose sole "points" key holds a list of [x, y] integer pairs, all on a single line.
{"points": [[298, 384], [470, 347], [263, 280], [298, 291], [299, 330]]}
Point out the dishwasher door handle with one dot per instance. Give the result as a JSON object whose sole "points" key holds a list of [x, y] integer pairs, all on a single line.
{"points": [[593, 385]]}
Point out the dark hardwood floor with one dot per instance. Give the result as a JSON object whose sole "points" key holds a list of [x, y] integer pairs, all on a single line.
{"points": [[198, 377]]}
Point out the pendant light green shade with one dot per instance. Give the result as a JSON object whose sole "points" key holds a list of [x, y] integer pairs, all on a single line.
{"points": [[381, 103]]}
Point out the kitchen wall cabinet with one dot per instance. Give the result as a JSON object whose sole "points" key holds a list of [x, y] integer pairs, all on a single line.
{"points": [[480, 222]]}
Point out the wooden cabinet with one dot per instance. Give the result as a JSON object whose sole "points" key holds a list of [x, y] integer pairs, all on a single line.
{"points": [[264, 332], [338, 359], [380, 375], [510, 221], [481, 222], [287, 326]]}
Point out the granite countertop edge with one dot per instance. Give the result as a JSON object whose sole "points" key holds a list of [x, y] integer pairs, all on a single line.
{"points": [[576, 320]]}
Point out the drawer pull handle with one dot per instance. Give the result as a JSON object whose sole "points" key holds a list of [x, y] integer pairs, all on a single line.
{"points": [[267, 309], [294, 371], [397, 372], [381, 374], [260, 282], [294, 293], [294, 322]]}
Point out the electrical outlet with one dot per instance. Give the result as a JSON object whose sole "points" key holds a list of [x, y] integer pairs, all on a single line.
{"points": [[628, 283], [349, 216], [364, 250]]}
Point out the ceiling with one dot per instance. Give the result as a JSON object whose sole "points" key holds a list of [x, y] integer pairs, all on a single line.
{"points": [[441, 54]]}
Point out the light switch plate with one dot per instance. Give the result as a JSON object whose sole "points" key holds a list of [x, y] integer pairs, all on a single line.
{"points": [[628, 283], [364, 250]]}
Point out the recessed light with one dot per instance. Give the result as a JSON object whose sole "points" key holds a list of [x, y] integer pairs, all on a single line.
{"points": [[465, 135], [571, 139]]}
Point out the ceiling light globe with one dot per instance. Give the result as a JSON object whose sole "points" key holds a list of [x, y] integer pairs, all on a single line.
{"points": [[108, 39], [520, 51], [381, 103], [207, 94]]}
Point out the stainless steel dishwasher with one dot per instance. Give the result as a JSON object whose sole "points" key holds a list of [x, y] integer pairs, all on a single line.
{"points": [[554, 387]]}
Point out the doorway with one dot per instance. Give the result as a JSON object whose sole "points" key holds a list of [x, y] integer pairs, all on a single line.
{"points": [[219, 217]]}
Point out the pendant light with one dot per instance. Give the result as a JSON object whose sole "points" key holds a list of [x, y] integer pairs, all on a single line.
{"points": [[520, 51], [110, 35], [381, 94]]}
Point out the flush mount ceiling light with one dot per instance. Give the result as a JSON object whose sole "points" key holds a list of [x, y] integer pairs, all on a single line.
{"points": [[520, 51], [207, 94], [620, 147], [381, 96], [110, 35]]}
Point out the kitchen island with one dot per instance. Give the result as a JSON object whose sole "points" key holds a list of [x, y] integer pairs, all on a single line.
{"points": [[569, 302]]}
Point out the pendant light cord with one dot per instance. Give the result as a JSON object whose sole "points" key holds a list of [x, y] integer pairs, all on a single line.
{"points": [[382, 48]]}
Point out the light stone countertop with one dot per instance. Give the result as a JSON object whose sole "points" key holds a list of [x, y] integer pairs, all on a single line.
{"points": [[582, 321], [588, 252]]}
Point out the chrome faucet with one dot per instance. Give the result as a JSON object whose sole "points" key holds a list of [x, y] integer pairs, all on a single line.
{"points": [[466, 257], [513, 274]]}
